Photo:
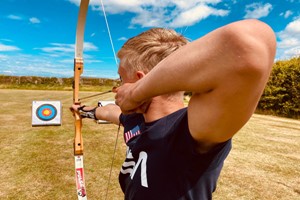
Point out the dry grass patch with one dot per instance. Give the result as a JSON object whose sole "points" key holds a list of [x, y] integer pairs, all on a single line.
{"points": [[37, 163], [264, 162]]}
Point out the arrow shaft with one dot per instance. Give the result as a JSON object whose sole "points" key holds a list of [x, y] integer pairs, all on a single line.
{"points": [[94, 95]]}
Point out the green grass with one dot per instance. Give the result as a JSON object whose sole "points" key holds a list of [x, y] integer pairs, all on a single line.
{"points": [[38, 163]]}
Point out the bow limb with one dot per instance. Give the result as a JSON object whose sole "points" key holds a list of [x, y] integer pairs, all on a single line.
{"points": [[78, 69]]}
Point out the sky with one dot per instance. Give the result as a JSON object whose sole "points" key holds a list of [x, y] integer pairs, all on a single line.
{"points": [[37, 37]]}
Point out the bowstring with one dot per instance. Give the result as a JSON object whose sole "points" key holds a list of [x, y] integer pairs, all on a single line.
{"points": [[118, 132], [109, 34], [112, 162]]}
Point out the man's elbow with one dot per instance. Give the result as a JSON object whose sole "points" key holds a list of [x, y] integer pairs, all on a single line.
{"points": [[254, 46]]}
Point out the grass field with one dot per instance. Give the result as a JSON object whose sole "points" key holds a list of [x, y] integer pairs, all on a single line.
{"points": [[37, 162]]}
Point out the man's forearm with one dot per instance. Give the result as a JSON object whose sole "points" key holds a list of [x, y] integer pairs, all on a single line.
{"points": [[230, 52], [110, 112]]}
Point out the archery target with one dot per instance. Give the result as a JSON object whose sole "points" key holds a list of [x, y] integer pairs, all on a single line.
{"points": [[46, 113]]}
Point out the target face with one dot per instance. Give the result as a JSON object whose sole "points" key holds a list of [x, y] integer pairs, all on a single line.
{"points": [[46, 113]]}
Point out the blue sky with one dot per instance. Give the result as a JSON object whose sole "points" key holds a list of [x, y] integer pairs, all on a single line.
{"points": [[37, 36]]}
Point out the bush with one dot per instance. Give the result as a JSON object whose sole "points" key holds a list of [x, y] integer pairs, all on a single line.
{"points": [[282, 93]]}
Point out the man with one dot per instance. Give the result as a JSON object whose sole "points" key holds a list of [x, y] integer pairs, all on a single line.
{"points": [[177, 152]]}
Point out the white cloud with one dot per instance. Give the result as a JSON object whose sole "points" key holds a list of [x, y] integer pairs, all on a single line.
{"points": [[167, 13], [153, 16], [286, 14], [123, 39], [293, 27], [57, 47], [88, 46], [6, 40], [258, 10], [3, 57], [67, 48], [34, 20], [195, 15], [289, 40], [183, 4], [293, 1], [4, 47], [25, 64], [43, 65], [14, 17]]}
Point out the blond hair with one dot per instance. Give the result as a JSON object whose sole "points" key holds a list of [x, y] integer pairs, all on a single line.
{"points": [[143, 52]]}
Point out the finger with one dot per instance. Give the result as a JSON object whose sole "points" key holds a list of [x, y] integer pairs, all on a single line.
{"points": [[114, 89], [116, 99], [71, 109], [74, 108]]}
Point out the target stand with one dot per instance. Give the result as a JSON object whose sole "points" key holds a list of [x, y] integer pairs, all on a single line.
{"points": [[46, 113]]}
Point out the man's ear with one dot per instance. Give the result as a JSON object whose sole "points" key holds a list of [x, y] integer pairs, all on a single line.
{"points": [[140, 74]]}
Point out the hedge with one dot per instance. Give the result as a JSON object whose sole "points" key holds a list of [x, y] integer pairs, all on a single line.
{"points": [[282, 93], [48, 83]]}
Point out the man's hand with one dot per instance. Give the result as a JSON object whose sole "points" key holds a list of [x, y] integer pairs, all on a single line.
{"points": [[126, 100], [84, 111], [74, 108]]}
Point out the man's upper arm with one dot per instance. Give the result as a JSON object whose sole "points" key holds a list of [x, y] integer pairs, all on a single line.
{"points": [[242, 72]]}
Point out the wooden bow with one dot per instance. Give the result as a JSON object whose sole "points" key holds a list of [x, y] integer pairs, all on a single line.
{"points": [[78, 69]]}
